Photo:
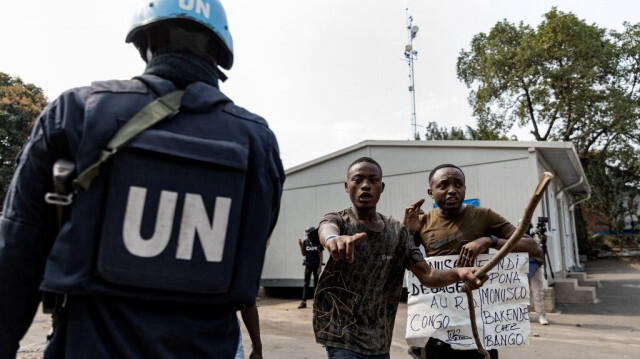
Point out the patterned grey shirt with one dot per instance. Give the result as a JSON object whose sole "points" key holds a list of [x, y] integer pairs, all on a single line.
{"points": [[355, 304]]}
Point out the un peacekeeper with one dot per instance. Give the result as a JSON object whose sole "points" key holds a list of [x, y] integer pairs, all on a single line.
{"points": [[168, 242]]}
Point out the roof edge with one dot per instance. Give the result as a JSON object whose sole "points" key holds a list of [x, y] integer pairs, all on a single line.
{"points": [[439, 143]]}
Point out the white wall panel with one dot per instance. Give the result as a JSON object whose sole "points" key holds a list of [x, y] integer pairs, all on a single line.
{"points": [[499, 175]]}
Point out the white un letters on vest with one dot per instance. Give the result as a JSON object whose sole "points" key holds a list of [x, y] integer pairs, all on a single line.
{"points": [[194, 220]]}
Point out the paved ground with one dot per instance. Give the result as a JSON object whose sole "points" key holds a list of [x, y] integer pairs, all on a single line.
{"points": [[608, 329]]}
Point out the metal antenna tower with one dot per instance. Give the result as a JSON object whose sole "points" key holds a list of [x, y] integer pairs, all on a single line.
{"points": [[412, 55]]}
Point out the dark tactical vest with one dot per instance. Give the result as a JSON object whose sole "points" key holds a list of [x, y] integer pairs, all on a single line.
{"points": [[182, 213]]}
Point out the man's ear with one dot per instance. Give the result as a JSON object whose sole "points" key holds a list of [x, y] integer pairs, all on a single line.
{"points": [[429, 192], [382, 187], [346, 187]]}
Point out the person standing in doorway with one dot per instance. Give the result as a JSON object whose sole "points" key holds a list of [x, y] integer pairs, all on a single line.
{"points": [[312, 254]]}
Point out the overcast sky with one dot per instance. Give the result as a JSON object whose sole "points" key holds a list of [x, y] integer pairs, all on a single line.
{"points": [[326, 74]]}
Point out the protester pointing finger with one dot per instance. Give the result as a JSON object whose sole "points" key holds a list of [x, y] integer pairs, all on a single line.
{"points": [[342, 247], [344, 328]]}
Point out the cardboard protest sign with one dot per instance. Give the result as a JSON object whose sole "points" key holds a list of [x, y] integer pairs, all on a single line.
{"points": [[501, 305]]}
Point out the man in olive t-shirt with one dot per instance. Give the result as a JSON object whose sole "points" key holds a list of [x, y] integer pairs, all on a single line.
{"points": [[454, 228], [443, 235]]}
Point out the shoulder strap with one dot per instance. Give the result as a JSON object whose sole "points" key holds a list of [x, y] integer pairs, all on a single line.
{"points": [[158, 110]]}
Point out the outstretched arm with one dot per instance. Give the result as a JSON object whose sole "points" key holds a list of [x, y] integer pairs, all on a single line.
{"points": [[525, 244], [340, 246], [436, 278]]}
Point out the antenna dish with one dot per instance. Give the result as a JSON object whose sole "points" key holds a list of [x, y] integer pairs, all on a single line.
{"points": [[414, 31]]}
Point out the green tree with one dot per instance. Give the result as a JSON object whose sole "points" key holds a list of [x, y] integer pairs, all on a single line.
{"points": [[20, 104], [566, 80], [613, 192], [434, 132]]}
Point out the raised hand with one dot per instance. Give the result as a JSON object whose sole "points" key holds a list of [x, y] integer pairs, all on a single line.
{"points": [[411, 217]]}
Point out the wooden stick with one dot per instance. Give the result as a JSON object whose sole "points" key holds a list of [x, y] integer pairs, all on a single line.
{"points": [[513, 240]]}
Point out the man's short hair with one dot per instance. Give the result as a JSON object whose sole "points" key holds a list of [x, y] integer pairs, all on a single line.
{"points": [[444, 165], [365, 159]]}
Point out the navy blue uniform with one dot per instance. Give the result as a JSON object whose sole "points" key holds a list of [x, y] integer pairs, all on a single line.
{"points": [[161, 313]]}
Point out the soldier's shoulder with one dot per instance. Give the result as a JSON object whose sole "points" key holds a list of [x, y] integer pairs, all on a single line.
{"points": [[241, 112], [130, 86]]}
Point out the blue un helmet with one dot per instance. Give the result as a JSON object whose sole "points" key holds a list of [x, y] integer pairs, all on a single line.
{"points": [[208, 13]]}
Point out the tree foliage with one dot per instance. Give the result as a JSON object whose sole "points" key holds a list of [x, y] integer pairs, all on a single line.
{"points": [[20, 104], [566, 80], [613, 193], [433, 132]]}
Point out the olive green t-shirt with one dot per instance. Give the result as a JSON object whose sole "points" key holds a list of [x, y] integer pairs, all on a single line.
{"points": [[355, 303], [446, 236]]}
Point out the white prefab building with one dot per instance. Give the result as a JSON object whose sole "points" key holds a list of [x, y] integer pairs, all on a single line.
{"points": [[500, 175]]}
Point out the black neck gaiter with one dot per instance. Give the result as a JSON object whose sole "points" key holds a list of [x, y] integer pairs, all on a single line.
{"points": [[182, 69]]}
